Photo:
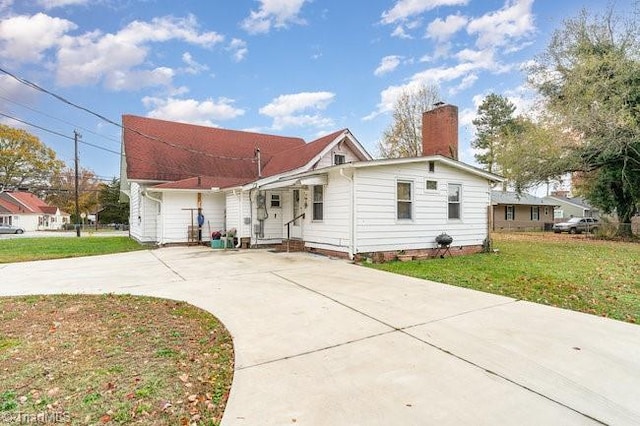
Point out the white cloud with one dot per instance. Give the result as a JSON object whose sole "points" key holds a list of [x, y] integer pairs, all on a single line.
{"points": [[26, 38], [404, 9], [467, 82], [472, 62], [51, 4], [273, 13], [111, 58], [299, 109], [400, 33], [193, 67], [498, 28], [192, 111], [135, 79], [387, 64], [238, 49], [442, 30]]}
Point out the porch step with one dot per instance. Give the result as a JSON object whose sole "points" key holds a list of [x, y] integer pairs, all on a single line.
{"points": [[290, 246]]}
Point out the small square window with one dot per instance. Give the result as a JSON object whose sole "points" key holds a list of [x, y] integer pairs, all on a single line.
{"points": [[338, 159], [432, 185], [275, 200]]}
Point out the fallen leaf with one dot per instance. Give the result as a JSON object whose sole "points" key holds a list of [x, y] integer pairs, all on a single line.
{"points": [[184, 377], [105, 419]]}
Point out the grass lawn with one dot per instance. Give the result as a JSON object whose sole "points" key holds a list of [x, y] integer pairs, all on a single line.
{"points": [[25, 249], [573, 272], [112, 360]]}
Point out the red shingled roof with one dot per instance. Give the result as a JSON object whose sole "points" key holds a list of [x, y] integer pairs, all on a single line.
{"points": [[175, 151], [25, 202], [300, 156], [8, 207], [178, 153]]}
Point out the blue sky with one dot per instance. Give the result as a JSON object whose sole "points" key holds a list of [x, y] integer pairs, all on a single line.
{"points": [[290, 67]]}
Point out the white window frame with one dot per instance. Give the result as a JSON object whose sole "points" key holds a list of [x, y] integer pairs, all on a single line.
{"points": [[459, 202], [335, 159], [535, 217], [426, 185], [314, 203], [409, 201], [275, 201], [510, 213]]}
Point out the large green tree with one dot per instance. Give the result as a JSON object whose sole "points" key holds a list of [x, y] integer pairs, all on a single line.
{"points": [[403, 137], [113, 211], [494, 118], [24, 160], [589, 77]]}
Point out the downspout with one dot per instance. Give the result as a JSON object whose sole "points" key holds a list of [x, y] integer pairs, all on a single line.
{"points": [[352, 215], [145, 193], [241, 224]]}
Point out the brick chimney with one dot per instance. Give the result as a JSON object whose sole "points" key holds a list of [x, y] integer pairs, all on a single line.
{"points": [[440, 131]]}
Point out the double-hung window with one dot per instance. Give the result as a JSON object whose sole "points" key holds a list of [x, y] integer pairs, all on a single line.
{"points": [[318, 202], [509, 213], [535, 213], [404, 199], [454, 199]]}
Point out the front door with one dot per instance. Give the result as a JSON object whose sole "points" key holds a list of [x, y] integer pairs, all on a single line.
{"points": [[298, 208]]}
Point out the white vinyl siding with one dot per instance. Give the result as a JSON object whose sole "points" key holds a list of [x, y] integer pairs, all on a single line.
{"points": [[332, 233], [329, 159], [177, 219], [377, 226], [143, 215]]}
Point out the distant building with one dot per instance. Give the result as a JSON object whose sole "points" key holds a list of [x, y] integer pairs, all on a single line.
{"points": [[520, 212], [30, 212], [568, 207]]}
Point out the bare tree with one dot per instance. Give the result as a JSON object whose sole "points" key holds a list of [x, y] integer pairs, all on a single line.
{"points": [[403, 137]]}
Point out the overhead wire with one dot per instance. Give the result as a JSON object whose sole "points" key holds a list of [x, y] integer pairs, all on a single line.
{"points": [[84, 129], [62, 135], [108, 120]]}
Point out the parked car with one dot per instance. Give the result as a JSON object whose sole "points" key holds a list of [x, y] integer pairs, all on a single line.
{"points": [[10, 229], [577, 225]]}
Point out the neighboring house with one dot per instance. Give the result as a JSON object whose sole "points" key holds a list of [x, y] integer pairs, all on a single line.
{"points": [[520, 212], [30, 212], [568, 207], [327, 195]]}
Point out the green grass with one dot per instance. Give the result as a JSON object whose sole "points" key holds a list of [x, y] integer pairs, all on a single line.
{"points": [[26, 249], [596, 277]]}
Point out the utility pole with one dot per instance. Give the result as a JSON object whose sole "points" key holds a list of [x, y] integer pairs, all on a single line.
{"points": [[76, 136]]}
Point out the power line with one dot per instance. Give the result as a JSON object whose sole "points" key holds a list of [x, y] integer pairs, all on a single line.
{"points": [[59, 119], [59, 134], [176, 169], [107, 120]]}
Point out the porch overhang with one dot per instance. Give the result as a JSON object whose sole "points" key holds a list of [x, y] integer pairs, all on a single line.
{"points": [[297, 181]]}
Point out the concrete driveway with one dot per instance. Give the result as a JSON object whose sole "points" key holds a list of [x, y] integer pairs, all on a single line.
{"points": [[324, 342]]}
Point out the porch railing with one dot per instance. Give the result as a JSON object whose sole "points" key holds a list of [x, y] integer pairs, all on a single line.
{"points": [[288, 224]]}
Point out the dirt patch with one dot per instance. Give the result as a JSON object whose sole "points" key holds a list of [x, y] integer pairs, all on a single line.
{"points": [[112, 360]]}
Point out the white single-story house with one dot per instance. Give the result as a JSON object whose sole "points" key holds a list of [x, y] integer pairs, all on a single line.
{"points": [[328, 195], [27, 211]]}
